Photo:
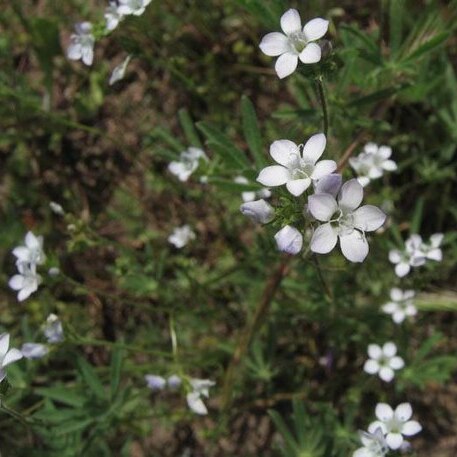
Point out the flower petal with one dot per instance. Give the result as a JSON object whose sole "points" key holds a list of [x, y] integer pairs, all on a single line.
{"points": [[368, 218], [290, 21], [16, 282], [323, 168], [371, 367], [286, 64], [13, 355], [398, 316], [311, 54], [394, 440], [374, 426], [329, 184], [315, 29], [314, 148], [389, 165], [284, 152], [403, 412], [396, 294], [289, 240], [322, 206], [402, 269], [258, 210], [396, 363], [351, 195], [386, 374], [324, 239], [411, 428], [394, 256], [22, 253], [4, 344], [389, 349], [274, 44], [354, 246], [196, 403], [384, 412], [374, 351], [274, 175], [297, 186]]}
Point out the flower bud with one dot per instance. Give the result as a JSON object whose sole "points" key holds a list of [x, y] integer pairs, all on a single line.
{"points": [[259, 211], [289, 240]]}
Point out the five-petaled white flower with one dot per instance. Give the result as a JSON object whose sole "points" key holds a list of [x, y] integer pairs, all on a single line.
{"points": [[374, 444], [401, 305], [289, 240], [31, 252], [297, 169], [53, 330], [432, 250], [251, 195], [295, 43], [411, 256], [82, 43], [259, 211], [200, 388], [112, 16], [119, 71], [26, 282], [135, 7], [155, 382], [181, 236], [383, 361], [395, 424], [188, 162], [344, 219], [34, 350], [7, 355], [372, 162]]}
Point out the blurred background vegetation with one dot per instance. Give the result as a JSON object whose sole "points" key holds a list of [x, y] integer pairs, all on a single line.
{"points": [[196, 78]]}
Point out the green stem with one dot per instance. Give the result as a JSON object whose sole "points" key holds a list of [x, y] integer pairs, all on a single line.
{"points": [[323, 100]]}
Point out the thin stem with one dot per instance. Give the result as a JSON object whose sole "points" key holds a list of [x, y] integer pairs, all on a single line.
{"points": [[328, 291], [323, 100], [174, 339]]}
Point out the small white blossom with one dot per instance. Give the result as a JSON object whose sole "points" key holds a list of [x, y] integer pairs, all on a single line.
{"points": [[53, 271], [188, 162], [26, 282], [251, 195], [181, 236], [155, 382], [56, 208], [401, 305], [7, 355], [411, 256], [344, 220], [82, 43], [200, 388], [135, 7], [119, 71], [34, 350], [32, 251], [289, 240], [374, 444], [259, 211], [295, 43], [297, 169], [395, 424], [174, 381], [383, 361], [372, 162], [53, 330], [112, 16], [432, 250]]}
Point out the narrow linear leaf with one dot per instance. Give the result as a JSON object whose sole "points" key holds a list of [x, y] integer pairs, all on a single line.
{"points": [[90, 377], [116, 369], [427, 47], [62, 395], [251, 131], [189, 130]]}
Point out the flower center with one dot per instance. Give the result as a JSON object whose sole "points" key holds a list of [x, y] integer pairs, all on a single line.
{"points": [[302, 169], [298, 41], [343, 222]]}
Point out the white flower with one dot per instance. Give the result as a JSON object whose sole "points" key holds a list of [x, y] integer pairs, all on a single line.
{"points": [[155, 382], [401, 305], [174, 381], [31, 252], [135, 7], [200, 388], [187, 164], [432, 250], [181, 236], [250, 195], [7, 356], [112, 16], [119, 71], [297, 169], [374, 444], [82, 43], [411, 256], [26, 282], [295, 43], [289, 240], [56, 208], [34, 350], [259, 211], [372, 162], [344, 220], [395, 424], [53, 330], [383, 361]]}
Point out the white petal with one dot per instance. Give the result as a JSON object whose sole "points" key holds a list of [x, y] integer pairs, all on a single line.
{"points": [[274, 44], [402, 269], [311, 54], [329, 185], [284, 151], [286, 64], [196, 403], [13, 355], [374, 351], [274, 175], [297, 186], [4, 344], [398, 317], [34, 350], [374, 426], [436, 239], [411, 310], [390, 307], [362, 452], [411, 428], [389, 349], [2, 375], [389, 165], [384, 412], [323, 168], [74, 51], [289, 240], [259, 211], [403, 412], [354, 246], [368, 218], [394, 256], [384, 151], [371, 367], [396, 294], [324, 239], [16, 282], [290, 21], [351, 195], [314, 148], [435, 254], [31, 241], [363, 181], [22, 253], [394, 440], [315, 29], [386, 374], [322, 206], [396, 363]]}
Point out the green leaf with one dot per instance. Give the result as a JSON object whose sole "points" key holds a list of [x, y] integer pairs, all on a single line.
{"points": [[116, 368], [72, 427], [396, 9], [427, 47], [251, 131], [189, 130], [62, 395], [377, 96], [289, 440], [168, 139], [90, 377], [417, 216]]}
